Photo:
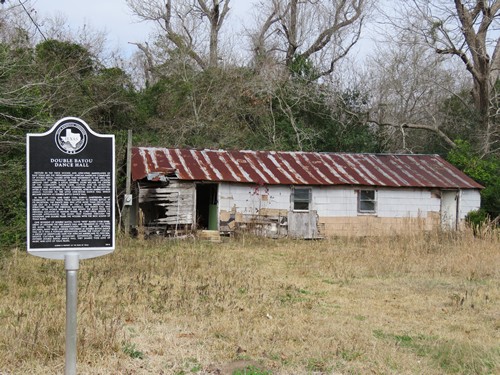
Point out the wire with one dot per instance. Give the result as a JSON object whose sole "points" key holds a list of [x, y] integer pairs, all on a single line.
{"points": [[73, 75], [32, 20]]}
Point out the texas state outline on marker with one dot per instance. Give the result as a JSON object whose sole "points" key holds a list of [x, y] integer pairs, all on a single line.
{"points": [[71, 138]]}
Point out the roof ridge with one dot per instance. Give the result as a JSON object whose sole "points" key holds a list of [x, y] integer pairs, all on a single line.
{"points": [[302, 168], [288, 151]]}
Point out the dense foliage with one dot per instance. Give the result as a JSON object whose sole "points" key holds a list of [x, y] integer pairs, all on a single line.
{"points": [[287, 104], [486, 171]]}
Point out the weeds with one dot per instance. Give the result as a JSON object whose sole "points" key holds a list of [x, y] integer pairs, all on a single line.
{"points": [[449, 355], [317, 365], [412, 305], [130, 350]]}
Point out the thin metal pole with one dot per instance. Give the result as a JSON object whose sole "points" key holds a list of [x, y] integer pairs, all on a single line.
{"points": [[127, 207], [71, 264]]}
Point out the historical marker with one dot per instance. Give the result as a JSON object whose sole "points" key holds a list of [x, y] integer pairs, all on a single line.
{"points": [[70, 191], [70, 173]]}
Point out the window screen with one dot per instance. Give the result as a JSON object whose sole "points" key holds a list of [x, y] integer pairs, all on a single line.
{"points": [[367, 201], [301, 199]]}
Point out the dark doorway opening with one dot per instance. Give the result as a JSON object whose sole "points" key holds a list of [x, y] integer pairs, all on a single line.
{"points": [[206, 206]]}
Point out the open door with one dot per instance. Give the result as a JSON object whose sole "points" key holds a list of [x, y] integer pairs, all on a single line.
{"points": [[449, 209], [207, 211]]}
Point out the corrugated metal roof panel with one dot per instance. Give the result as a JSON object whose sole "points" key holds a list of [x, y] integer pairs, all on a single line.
{"points": [[300, 168]]}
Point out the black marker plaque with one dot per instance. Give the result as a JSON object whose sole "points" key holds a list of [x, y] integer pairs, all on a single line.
{"points": [[70, 188]]}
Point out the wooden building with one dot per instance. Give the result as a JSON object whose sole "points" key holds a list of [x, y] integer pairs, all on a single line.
{"points": [[297, 194]]}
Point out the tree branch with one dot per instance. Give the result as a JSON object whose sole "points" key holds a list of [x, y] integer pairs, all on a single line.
{"points": [[407, 125]]}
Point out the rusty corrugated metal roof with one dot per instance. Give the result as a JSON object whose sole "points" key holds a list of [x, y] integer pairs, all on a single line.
{"points": [[299, 168]]}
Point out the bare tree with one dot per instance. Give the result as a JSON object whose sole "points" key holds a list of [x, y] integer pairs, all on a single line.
{"points": [[321, 31], [192, 28], [216, 16], [260, 38], [409, 83], [466, 30]]}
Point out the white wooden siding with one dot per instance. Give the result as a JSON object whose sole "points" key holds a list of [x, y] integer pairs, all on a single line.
{"points": [[470, 200], [338, 201], [335, 201], [397, 203], [406, 203], [249, 199]]}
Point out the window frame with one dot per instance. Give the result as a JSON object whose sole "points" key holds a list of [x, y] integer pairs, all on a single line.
{"points": [[301, 200], [362, 200]]}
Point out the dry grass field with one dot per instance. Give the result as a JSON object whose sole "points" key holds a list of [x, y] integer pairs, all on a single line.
{"points": [[427, 304]]}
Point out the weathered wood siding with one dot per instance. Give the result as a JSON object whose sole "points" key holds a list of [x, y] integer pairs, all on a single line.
{"points": [[303, 224], [250, 199], [175, 202], [260, 209]]}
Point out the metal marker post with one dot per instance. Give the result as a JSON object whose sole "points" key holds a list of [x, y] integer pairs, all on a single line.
{"points": [[67, 164], [71, 264]]}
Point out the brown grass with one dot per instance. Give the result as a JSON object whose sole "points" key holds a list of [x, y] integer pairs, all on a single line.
{"points": [[423, 304]]}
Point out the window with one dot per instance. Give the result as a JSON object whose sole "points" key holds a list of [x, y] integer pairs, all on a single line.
{"points": [[301, 198], [367, 201]]}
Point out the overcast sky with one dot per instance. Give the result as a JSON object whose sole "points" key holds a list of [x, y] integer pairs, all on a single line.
{"points": [[114, 18]]}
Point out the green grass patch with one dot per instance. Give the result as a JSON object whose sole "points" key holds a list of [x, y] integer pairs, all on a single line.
{"points": [[130, 350], [251, 370], [317, 365], [193, 365], [452, 357]]}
